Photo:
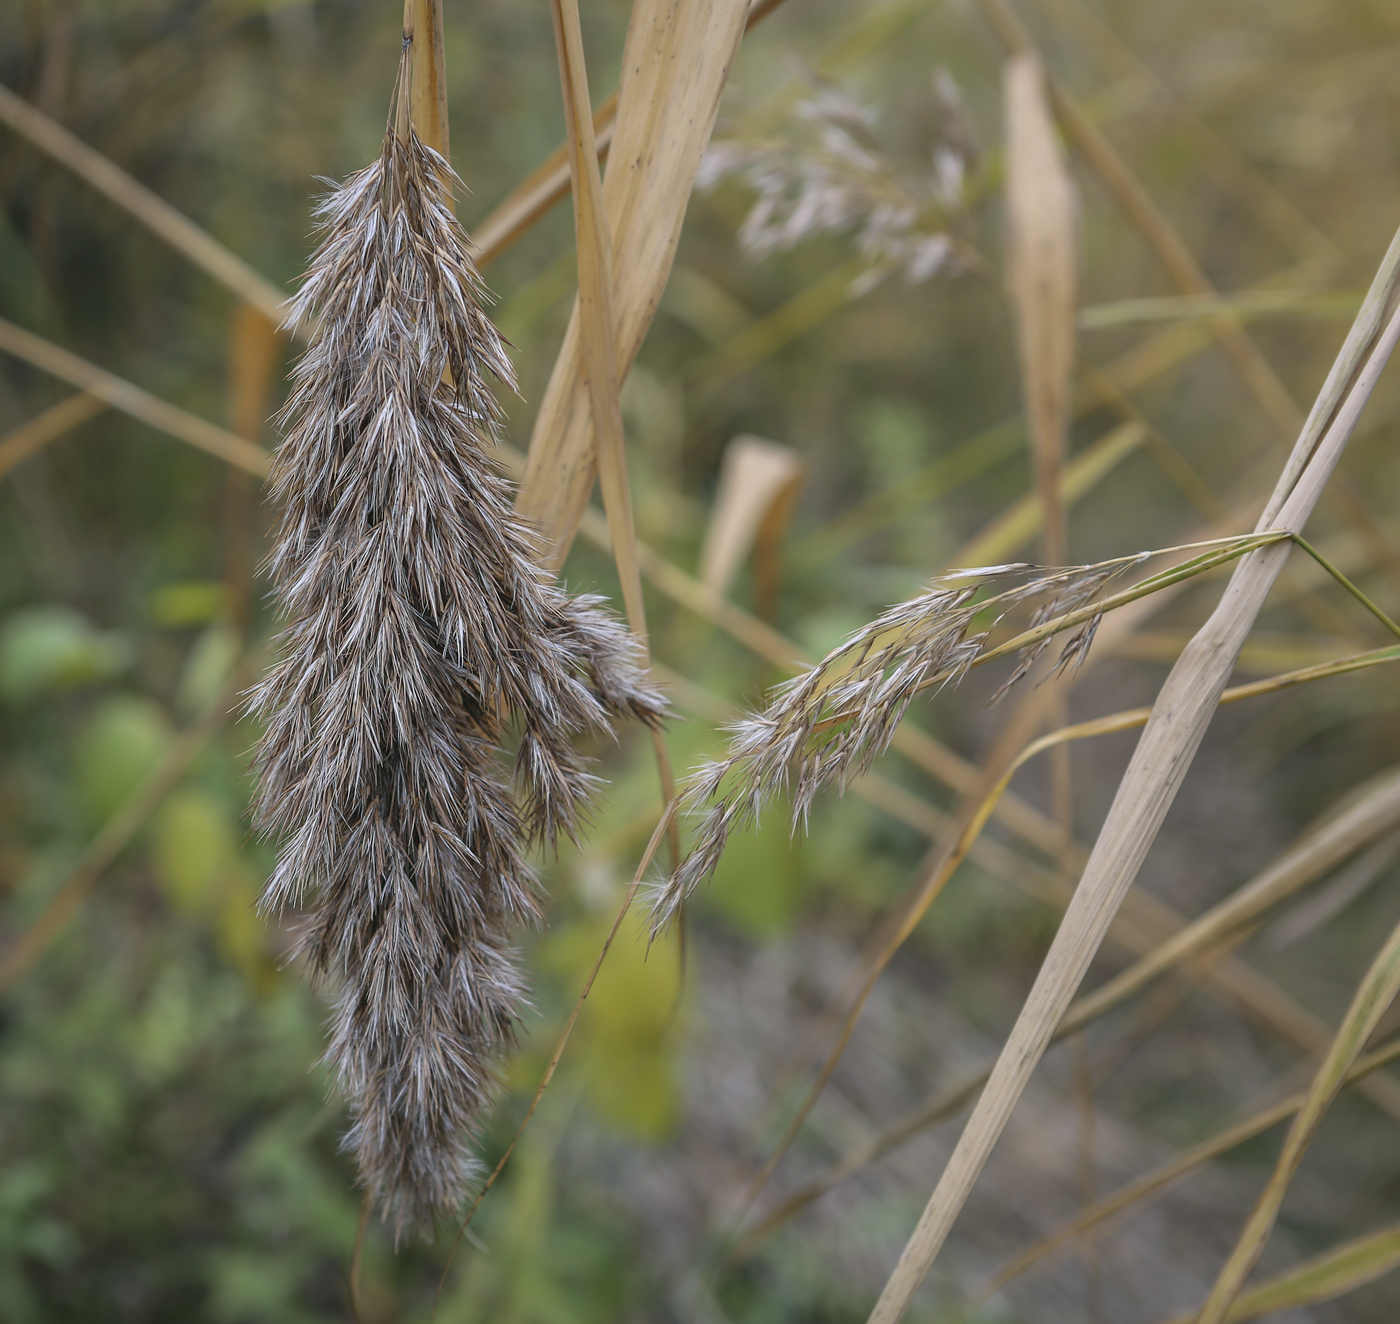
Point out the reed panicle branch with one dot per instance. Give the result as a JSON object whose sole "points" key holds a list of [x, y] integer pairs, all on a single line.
{"points": [[422, 637]]}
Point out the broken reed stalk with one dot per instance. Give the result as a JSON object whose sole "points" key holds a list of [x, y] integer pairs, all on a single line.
{"points": [[599, 331], [422, 638], [1158, 767]]}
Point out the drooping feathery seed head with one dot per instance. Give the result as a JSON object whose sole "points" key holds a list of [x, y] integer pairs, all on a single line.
{"points": [[421, 637], [829, 724]]}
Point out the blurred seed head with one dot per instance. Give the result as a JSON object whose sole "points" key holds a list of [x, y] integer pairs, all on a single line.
{"points": [[830, 173]]}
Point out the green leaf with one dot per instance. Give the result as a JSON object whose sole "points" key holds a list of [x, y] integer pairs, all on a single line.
{"points": [[53, 648], [193, 849], [187, 602], [117, 750], [210, 660]]}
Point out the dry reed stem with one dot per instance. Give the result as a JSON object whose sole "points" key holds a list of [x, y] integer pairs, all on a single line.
{"points": [[548, 183], [117, 832], [56, 421], [129, 399], [422, 30], [175, 228], [675, 64], [1042, 273], [1158, 766], [1374, 995], [1158, 1179], [598, 329], [1325, 1277]]}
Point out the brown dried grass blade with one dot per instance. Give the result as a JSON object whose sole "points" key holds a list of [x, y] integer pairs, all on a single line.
{"points": [[422, 30], [758, 484], [130, 399], [675, 64], [1019, 522], [1373, 998], [1166, 1174], [175, 228], [1325, 1277], [55, 422], [598, 326], [599, 333], [1042, 270], [548, 182], [1158, 766]]}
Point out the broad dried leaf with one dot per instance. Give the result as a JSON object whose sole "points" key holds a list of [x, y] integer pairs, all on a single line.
{"points": [[758, 483], [675, 64], [1042, 268]]}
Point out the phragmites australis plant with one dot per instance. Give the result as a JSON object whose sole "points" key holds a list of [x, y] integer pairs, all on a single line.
{"points": [[422, 639], [829, 724]]}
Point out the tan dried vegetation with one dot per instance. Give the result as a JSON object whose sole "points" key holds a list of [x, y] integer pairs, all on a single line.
{"points": [[426, 634]]}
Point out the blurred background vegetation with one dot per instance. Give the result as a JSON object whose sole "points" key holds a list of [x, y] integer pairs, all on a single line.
{"points": [[167, 1147]]}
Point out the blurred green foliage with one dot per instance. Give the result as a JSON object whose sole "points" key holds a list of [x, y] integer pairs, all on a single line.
{"points": [[168, 1151]]}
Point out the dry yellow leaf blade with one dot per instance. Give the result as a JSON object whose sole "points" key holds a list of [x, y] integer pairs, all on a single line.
{"points": [[1325, 1277], [428, 81], [1018, 523], [758, 484], [130, 399], [1042, 269], [599, 331], [173, 226], [1373, 998], [1159, 764], [675, 64], [595, 307], [39, 431]]}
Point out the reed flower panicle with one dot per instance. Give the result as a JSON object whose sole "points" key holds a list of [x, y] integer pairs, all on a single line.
{"points": [[831, 174], [829, 724], [422, 638]]}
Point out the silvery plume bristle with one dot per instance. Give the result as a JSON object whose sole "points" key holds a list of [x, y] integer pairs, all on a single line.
{"points": [[421, 639], [829, 724]]}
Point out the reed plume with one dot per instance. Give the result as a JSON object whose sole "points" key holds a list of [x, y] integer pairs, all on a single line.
{"points": [[829, 724], [421, 638]]}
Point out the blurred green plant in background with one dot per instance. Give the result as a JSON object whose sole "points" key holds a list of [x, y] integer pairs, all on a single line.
{"points": [[168, 1146]]}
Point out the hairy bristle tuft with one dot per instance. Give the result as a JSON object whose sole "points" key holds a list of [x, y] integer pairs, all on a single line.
{"points": [[421, 636], [832, 722]]}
